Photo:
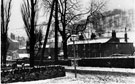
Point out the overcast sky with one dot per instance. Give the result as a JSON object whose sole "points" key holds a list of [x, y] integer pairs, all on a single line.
{"points": [[16, 23]]}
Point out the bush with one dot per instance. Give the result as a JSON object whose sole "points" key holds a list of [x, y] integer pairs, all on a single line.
{"points": [[30, 74]]}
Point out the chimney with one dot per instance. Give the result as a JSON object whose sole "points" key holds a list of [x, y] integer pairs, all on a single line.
{"points": [[113, 34], [125, 35]]}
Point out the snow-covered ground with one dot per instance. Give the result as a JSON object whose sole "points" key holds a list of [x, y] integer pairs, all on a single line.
{"points": [[103, 69], [87, 79]]}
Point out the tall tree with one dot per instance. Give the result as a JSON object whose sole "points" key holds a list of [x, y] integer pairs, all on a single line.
{"points": [[47, 31], [5, 18], [29, 10], [96, 9], [67, 11], [69, 14], [38, 44], [56, 30], [66, 16]]}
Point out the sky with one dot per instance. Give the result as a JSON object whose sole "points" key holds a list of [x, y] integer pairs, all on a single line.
{"points": [[16, 24]]}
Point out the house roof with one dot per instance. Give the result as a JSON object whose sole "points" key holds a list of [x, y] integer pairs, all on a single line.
{"points": [[13, 40], [102, 40], [24, 55], [52, 45]]}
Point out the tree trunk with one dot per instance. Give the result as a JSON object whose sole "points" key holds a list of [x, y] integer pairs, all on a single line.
{"points": [[65, 49], [4, 48], [4, 42], [32, 35], [47, 32], [64, 32], [31, 53], [56, 31]]}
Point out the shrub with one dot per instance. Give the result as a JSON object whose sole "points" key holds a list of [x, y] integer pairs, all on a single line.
{"points": [[30, 74]]}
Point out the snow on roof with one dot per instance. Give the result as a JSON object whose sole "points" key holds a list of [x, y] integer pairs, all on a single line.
{"points": [[22, 48], [130, 35], [24, 55], [52, 45], [90, 41], [14, 40], [47, 46], [107, 36]]}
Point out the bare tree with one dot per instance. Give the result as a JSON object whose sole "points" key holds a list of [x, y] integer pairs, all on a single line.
{"points": [[38, 44], [67, 15], [5, 18], [67, 10], [29, 10], [47, 31], [96, 9]]}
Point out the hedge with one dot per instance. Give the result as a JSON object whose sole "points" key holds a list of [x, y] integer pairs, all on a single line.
{"points": [[31, 74]]}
